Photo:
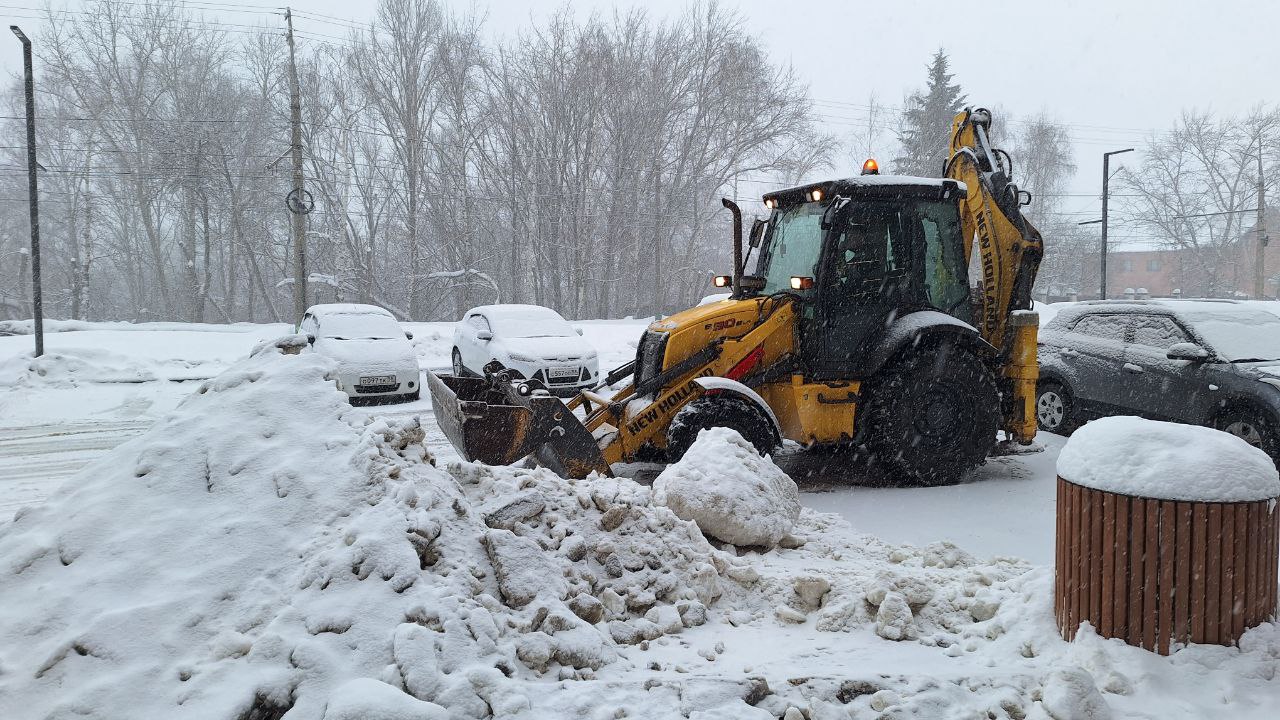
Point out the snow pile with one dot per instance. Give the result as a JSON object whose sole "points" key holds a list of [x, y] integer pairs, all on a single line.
{"points": [[1168, 461], [27, 327], [731, 492], [264, 548], [595, 552], [72, 367]]}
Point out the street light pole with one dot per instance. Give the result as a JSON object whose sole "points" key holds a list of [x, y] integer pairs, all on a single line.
{"points": [[1106, 181], [33, 199]]}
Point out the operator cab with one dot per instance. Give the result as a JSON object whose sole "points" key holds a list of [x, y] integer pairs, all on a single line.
{"points": [[861, 252]]}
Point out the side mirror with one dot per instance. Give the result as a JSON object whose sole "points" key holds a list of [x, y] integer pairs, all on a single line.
{"points": [[484, 335], [311, 339], [578, 330], [408, 335], [1187, 351]]}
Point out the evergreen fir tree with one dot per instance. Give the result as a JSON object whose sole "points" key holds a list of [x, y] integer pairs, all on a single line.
{"points": [[926, 122]]}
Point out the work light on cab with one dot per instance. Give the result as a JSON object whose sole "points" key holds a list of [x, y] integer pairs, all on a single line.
{"points": [[801, 283], [722, 281], [871, 167]]}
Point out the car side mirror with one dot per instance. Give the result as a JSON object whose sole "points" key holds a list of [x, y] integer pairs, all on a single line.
{"points": [[1187, 351], [578, 330], [311, 339], [408, 335], [484, 335]]}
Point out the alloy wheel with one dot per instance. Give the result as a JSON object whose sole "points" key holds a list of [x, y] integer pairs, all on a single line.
{"points": [[1050, 409], [1246, 431]]}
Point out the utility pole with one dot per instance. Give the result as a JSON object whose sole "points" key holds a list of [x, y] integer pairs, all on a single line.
{"points": [[1106, 181], [299, 219], [33, 196], [1259, 274]]}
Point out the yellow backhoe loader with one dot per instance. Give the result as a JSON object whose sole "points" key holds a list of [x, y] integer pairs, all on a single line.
{"points": [[859, 325]]}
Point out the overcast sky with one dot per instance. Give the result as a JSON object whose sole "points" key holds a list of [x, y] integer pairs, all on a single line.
{"points": [[1114, 71]]}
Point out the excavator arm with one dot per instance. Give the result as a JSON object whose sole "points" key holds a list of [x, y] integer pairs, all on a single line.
{"points": [[1009, 249]]}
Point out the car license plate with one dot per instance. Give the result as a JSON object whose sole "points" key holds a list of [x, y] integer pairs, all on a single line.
{"points": [[378, 380], [562, 373]]}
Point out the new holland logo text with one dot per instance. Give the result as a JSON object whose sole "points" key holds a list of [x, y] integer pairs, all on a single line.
{"points": [[665, 405]]}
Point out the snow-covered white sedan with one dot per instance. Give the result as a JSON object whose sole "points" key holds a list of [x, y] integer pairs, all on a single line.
{"points": [[534, 341], [375, 359]]}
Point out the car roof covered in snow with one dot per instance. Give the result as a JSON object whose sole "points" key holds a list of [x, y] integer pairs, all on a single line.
{"points": [[348, 309], [513, 310], [1190, 310], [874, 185]]}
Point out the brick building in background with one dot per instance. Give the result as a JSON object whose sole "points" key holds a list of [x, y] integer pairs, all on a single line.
{"points": [[1182, 272]]}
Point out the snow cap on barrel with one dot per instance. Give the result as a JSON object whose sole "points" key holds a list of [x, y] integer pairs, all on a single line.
{"points": [[1167, 461]]}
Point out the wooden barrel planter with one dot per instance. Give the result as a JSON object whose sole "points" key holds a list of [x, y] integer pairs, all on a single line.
{"points": [[1180, 562]]}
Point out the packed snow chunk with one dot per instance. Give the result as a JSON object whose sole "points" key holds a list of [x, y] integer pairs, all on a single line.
{"points": [[730, 491], [1167, 461], [1070, 694], [894, 620], [523, 569], [368, 698]]}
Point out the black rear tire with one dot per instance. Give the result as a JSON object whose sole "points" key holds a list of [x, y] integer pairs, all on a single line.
{"points": [[1055, 409], [932, 414], [720, 410], [1253, 426]]}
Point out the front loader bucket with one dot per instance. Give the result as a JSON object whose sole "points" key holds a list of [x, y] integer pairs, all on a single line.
{"points": [[488, 420]]}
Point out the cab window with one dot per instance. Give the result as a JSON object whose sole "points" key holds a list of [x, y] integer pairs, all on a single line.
{"points": [[793, 246]]}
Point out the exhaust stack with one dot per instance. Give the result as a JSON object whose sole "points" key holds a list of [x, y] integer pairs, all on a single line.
{"points": [[737, 245]]}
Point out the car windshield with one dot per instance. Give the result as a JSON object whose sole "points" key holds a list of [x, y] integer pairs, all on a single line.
{"points": [[359, 326], [1239, 335], [528, 324], [793, 246]]}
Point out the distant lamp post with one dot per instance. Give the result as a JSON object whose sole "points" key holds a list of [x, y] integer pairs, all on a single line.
{"points": [[1106, 181], [33, 199]]}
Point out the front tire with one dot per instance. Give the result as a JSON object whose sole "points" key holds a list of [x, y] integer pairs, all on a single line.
{"points": [[1252, 426], [932, 415], [459, 369], [1055, 411], [719, 410]]}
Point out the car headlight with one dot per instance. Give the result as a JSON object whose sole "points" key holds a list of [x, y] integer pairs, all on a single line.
{"points": [[521, 358]]}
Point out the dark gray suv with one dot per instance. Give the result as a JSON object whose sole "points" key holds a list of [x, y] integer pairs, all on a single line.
{"points": [[1214, 363]]}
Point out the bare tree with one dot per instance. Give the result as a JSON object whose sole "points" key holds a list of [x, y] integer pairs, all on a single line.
{"points": [[1196, 191]]}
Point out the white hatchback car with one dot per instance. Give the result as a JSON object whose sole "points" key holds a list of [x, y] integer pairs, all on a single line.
{"points": [[375, 359], [533, 341]]}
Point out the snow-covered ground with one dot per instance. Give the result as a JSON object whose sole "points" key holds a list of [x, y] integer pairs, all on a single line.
{"points": [[247, 545]]}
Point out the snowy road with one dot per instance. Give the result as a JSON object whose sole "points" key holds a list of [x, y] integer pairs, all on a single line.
{"points": [[35, 460]]}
